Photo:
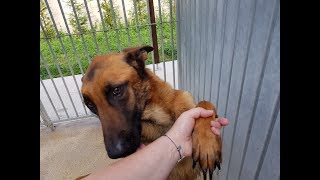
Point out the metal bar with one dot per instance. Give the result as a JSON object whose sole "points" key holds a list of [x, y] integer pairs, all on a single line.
{"points": [[104, 27], [172, 45], [242, 82], [188, 44], [71, 38], [73, 119], [183, 58], [205, 68], [225, 17], [232, 59], [62, 35], [45, 117], [137, 22], [275, 113], [197, 52], [54, 84], [224, 14], [153, 31], [214, 44], [203, 47], [162, 46], [45, 89], [198, 7], [115, 25], [178, 40], [64, 51], [153, 53], [230, 78], [181, 55], [261, 77], [191, 43], [125, 21], [180, 43], [58, 67], [79, 28], [91, 26]]}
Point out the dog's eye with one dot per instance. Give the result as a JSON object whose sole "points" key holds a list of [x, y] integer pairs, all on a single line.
{"points": [[90, 105], [117, 91]]}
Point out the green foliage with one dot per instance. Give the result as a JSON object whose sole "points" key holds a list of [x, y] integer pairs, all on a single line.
{"points": [[46, 21], [142, 13], [82, 17], [107, 14], [168, 46], [173, 9]]}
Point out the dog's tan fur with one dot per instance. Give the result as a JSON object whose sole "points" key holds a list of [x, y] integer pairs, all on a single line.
{"points": [[161, 104]]}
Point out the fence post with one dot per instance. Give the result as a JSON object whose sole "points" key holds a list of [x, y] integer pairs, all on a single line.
{"points": [[153, 32], [45, 117]]}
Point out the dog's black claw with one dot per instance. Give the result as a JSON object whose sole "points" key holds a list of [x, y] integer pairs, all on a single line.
{"points": [[218, 164], [204, 174], [210, 174], [194, 163], [215, 165]]}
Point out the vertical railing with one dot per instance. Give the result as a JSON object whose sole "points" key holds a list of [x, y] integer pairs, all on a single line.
{"points": [[65, 55], [44, 115], [126, 21]]}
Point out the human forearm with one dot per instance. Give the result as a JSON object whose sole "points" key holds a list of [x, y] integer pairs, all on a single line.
{"points": [[154, 161]]}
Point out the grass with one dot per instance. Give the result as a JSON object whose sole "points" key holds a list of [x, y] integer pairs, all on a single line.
{"points": [[82, 64]]}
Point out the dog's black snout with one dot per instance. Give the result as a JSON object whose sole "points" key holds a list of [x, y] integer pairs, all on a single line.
{"points": [[116, 149], [121, 146]]}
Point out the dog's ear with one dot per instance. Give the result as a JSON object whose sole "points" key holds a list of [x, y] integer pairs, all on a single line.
{"points": [[137, 53], [136, 56], [144, 48]]}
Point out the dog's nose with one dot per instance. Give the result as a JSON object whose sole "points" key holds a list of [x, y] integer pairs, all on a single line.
{"points": [[120, 149], [118, 146], [121, 145], [115, 150]]}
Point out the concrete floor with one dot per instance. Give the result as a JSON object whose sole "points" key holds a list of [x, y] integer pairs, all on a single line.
{"points": [[72, 149]]}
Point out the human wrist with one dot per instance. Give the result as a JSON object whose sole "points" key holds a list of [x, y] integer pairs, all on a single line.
{"points": [[175, 148]]}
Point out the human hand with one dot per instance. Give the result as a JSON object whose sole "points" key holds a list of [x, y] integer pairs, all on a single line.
{"points": [[181, 130], [217, 124]]}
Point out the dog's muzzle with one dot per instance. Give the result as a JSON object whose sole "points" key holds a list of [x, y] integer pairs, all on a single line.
{"points": [[122, 146]]}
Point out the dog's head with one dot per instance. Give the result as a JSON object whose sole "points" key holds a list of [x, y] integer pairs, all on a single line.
{"points": [[113, 88]]}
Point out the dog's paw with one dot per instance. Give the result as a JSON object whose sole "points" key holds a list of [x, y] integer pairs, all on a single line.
{"points": [[206, 146]]}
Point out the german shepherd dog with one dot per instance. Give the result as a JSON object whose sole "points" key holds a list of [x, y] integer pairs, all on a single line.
{"points": [[135, 106]]}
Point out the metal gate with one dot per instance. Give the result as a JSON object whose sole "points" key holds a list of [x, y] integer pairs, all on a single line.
{"points": [[229, 53], [73, 31]]}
